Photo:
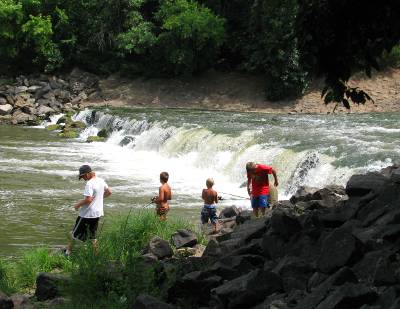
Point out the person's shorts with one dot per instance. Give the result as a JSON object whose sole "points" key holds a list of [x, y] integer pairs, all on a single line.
{"points": [[260, 201], [209, 213], [161, 211], [85, 228]]}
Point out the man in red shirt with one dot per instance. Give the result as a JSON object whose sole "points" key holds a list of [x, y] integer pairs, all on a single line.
{"points": [[258, 185]]}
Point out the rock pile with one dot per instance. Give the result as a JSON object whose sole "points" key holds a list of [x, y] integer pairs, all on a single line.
{"points": [[31, 98], [328, 248]]}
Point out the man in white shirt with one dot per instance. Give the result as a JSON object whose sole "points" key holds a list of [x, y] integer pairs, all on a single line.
{"points": [[90, 208]]}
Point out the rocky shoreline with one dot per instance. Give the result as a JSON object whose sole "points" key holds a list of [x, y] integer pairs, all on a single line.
{"points": [[28, 100], [326, 248]]}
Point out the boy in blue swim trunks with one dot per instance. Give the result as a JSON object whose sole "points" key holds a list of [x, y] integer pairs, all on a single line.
{"points": [[209, 211], [258, 185]]}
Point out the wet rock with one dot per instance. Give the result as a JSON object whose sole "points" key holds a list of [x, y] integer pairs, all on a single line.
{"points": [[145, 301], [159, 247], [103, 133], [303, 194], [184, 238], [92, 139], [247, 290], [127, 140], [49, 286]]}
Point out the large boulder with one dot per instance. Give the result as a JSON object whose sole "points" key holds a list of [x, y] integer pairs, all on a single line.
{"points": [[20, 117], [229, 212], [43, 110], [361, 185], [284, 224], [184, 238]]}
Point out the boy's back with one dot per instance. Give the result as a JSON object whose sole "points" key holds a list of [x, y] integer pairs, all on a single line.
{"points": [[210, 196]]}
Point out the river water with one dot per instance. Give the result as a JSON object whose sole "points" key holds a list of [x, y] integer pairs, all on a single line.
{"points": [[39, 185]]}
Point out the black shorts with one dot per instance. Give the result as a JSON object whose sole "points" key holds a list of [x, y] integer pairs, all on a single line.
{"points": [[85, 228]]}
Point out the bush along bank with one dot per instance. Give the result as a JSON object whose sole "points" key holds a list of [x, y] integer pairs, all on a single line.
{"points": [[28, 100]]}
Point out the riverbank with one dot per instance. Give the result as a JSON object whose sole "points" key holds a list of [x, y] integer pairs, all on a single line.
{"points": [[30, 99], [242, 93]]}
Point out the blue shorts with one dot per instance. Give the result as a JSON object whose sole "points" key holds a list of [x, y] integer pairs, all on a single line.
{"points": [[260, 201], [209, 213]]}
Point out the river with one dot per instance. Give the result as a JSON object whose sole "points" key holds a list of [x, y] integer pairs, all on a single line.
{"points": [[39, 183]]}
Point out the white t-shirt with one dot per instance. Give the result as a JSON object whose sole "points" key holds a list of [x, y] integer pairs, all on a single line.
{"points": [[94, 187]]}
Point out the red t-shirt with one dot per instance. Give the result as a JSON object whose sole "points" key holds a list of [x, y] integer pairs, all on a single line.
{"points": [[260, 183]]}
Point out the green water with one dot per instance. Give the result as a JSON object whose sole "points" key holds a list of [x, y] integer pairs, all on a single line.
{"points": [[38, 177]]}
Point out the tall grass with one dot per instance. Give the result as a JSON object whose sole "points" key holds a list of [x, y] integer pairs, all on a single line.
{"points": [[110, 276], [115, 274], [20, 275]]}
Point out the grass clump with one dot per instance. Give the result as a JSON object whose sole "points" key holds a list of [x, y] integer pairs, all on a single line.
{"points": [[116, 274], [20, 275]]}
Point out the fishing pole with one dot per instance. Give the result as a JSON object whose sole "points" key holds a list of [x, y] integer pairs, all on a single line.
{"points": [[242, 197]]}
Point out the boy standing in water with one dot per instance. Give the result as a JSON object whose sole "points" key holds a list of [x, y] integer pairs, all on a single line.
{"points": [[164, 195], [90, 208], [257, 179], [209, 211]]}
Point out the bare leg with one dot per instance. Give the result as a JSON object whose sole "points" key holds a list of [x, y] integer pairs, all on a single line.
{"points": [[255, 212], [94, 243], [263, 211]]}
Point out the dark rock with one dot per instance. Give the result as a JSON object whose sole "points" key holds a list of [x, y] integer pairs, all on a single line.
{"points": [[103, 133], [253, 247], [127, 140], [231, 267], [284, 224], [294, 272], [194, 288], [246, 291], [339, 248], [159, 247], [49, 286], [273, 246], [213, 249], [184, 238], [349, 295], [315, 280], [5, 301], [229, 212], [145, 301], [20, 301], [361, 185], [249, 230], [42, 91], [243, 216], [318, 294]]}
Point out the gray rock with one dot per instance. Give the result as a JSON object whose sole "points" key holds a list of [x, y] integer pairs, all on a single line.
{"points": [[6, 109], [395, 177], [44, 110], [229, 212], [159, 247], [33, 89], [20, 117], [3, 101], [145, 301], [184, 238], [20, 89], [361, 185], [29, 110], [20, 301], [303, 194]]}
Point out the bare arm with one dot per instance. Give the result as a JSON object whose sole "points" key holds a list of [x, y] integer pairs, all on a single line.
{"points": [[216, 197], [203, 195], [248, 186], [86, 201], [107, 192], [276, 183]]}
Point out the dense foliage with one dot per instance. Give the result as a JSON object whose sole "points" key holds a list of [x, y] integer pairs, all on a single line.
{"points": [[287, 41]]}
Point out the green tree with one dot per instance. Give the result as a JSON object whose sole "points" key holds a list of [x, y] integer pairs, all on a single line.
{"points": [[339, 38]]}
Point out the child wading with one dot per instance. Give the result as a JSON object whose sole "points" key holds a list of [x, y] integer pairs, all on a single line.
{"points": [[90, 208], [164, 195], [209, 211]]}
